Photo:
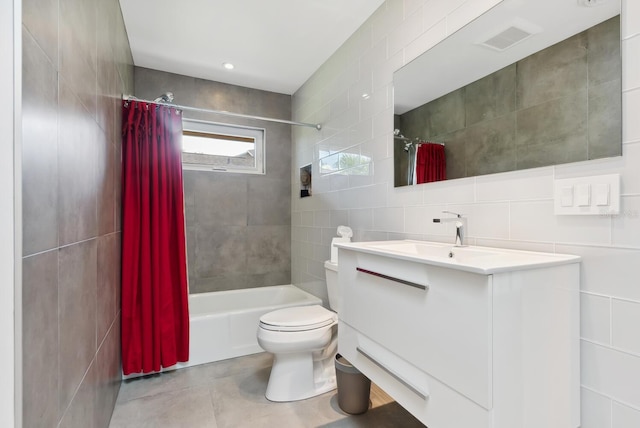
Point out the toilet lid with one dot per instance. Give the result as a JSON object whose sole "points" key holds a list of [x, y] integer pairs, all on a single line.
{"points": [[298, 318]]}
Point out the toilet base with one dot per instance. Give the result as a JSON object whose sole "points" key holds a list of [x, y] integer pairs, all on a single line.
{"points": [[294, 377]]}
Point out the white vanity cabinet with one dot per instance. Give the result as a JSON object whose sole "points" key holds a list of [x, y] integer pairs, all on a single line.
{"points": [[460, 348]]}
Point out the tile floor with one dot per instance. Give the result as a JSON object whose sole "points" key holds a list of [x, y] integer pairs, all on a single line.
{"points": [[230, 394]]}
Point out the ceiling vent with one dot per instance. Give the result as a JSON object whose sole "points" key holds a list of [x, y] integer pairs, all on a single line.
{"points": [[506, 38], [591, 3]]}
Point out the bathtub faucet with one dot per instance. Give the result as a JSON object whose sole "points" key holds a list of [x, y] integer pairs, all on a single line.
{"points": [[461, 225]]}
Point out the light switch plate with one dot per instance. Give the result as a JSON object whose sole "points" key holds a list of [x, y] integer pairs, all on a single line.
{"points": [[594, 195]]}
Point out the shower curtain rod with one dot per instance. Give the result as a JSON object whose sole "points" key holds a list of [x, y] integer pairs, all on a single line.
{"points": [[225, 113], [416, 140]]}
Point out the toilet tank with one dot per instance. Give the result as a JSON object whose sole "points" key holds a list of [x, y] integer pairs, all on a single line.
{"points": [[335, 297]]}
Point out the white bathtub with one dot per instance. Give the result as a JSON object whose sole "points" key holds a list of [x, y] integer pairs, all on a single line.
{"points": [[223, 324]]}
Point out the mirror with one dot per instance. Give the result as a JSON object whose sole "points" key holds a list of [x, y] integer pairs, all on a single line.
{"points": [[529, 83]]}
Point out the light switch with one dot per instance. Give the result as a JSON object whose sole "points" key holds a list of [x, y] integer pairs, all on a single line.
{"points": [[594, 195], [601, 194], [566, 197], [583, 195]]}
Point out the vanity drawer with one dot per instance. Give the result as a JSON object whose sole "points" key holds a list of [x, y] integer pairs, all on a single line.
{"points": [[431, 401], [438, 319]]}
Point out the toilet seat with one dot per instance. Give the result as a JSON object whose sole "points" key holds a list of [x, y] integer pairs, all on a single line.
{"points": [[301, 318]]}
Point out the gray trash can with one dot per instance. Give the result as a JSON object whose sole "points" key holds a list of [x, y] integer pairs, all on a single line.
{"points": [[353, 387]]}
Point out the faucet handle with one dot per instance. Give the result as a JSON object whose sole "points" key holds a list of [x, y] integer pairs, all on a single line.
{"points": [[455, 214]]}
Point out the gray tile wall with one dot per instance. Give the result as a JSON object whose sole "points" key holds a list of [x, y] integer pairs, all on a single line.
{"points": [[238, 225], [562, 104], [76, 65]]}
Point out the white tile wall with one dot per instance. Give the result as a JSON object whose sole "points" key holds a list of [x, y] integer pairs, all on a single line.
{"points": [[611, 372], [595, 318], [632, 62], [625, 417], [512, 210], [630, 104], [596, 410], [625, 328]]}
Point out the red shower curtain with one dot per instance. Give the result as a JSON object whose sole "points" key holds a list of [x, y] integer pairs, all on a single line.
{"points": [[155, 314], [430, 163]]}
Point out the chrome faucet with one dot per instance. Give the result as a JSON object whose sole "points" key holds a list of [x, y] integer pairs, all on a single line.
{"points": [[461, 225]]}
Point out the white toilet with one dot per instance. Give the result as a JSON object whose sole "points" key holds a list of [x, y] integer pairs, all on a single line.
{"points": [[304, 342]]}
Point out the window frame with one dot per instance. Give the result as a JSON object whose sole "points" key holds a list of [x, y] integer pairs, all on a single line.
{"points": [[195, 126]]}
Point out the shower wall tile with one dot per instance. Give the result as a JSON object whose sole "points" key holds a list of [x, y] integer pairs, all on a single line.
{"points": [[278, 151], [77, 143], [40, 17], [122, 52], [105, 184], [269, 278], [118, 182], [108, 101], [150, 84], [82, 411], [238, 225], [220, 250], [78, 56], [234, 281], [220, 96], [76, 64], [40, 339], [268, 249], [76, 315], [39, 150], [219, 201], [108, 254], [108, 372], [118, 246], [269, 202]]}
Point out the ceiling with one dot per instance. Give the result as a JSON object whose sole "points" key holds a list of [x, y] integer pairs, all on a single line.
{"points": [[275, 45]]}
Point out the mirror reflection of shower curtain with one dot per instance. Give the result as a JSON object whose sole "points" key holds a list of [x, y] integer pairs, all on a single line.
{"points": [[430, 163]]}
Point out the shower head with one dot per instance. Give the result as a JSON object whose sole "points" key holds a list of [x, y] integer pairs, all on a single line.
{"points": [[167, 97], [396, 132]]}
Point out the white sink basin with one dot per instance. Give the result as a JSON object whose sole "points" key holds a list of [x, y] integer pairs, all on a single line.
{"points": [[471, 258]]}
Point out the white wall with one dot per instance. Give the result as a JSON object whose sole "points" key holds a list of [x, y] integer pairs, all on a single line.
{"points": [[506, 210], [10, 60]]}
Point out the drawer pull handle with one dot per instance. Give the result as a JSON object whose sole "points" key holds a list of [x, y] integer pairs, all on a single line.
{"points": [[415, 389], [391, 278]]}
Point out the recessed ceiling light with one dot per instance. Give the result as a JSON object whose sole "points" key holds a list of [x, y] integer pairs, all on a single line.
{"points": [[366, 96], [228, 65]]}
